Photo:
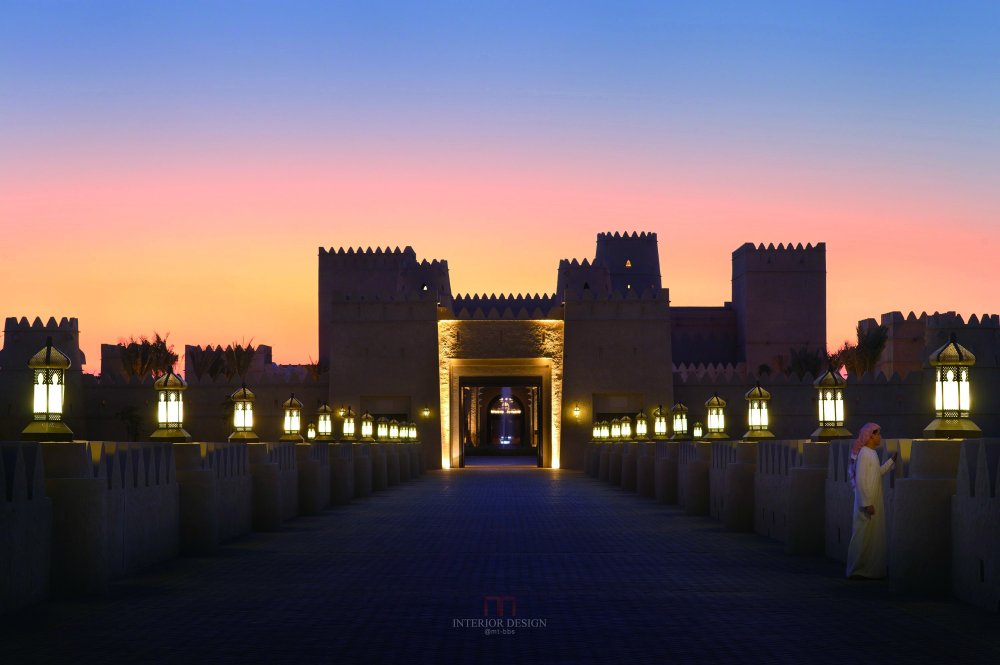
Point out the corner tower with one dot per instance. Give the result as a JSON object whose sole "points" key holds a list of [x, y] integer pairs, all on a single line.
{"points": [[779, 297], [632, 260]]}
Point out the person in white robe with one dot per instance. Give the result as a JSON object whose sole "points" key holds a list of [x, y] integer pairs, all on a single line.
{"points": [[866, 555]]}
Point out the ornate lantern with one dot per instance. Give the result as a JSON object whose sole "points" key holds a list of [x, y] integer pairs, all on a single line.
{"points": [[292, 420], [366, 426], [626, 425], [757, 415], [426, 412], [49, 380], [412, 427], [640, 425], [170, 409], [381, 428], [716, 407], [679, 415], [696, 431], [394, 429], [243, 400], [576, 410], [605, 430], [616, 428], [597, 431], [830, 402], [311, 432], [324, 423], [952, 393], [659, 423], [348, 428]]}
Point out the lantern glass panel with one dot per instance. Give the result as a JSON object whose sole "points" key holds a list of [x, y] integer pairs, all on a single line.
{"points": [[393, 430], [349, 426], [616, 429], [716, 419], [757, 415], [626, 428], [293, 421], [243, 416], [680, 423], [640, 426], [413, 431]]}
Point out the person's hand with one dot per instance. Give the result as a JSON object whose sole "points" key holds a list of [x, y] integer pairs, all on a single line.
{"points": [[869, 510]]}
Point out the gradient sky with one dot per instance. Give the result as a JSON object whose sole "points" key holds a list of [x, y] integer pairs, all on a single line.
{"points": [[174, 166]]}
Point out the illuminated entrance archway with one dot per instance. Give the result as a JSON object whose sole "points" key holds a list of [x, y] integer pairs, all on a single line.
{"points": [[505, 353], [501, 416]]}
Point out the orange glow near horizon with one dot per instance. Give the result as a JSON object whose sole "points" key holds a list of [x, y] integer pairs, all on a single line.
{"points": [[225, 251]]}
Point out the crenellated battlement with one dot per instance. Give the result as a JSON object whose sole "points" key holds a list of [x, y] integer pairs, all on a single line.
{"points": [[64, 324], [634, 235], [783, 257], [507, 306]]}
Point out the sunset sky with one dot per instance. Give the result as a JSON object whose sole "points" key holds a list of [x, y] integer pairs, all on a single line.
{"points": [[175, 166]]}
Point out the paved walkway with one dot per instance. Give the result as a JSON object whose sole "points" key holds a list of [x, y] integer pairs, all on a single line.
{"points": [[597, 575]]}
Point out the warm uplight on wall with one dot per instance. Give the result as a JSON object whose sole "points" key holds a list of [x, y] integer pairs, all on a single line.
{"points": [[830, 404], [243, 400], [716, 407], [758, 421], [49, 391], [170, 409], [324, 423], [366, 426], [952, 393], [291, 425], [679, 415], [640, 425]]}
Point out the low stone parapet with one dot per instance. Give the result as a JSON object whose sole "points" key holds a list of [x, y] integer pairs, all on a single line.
{"points": [[341, 473], [629, 459], [731, 483], [975, 525], [392, 475], [693, 463], [275, 483], [380, 467], [25, 526], [215, 494], [665, 480], [918, 509], [603, 461], [592, 458], [362, 469], [403, 457], [645, 465], [789, 493], [313, 463], [115, 510], [615, 463]]}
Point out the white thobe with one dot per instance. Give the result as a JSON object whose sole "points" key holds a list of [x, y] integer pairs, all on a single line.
{"points": [[866, 555]]}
